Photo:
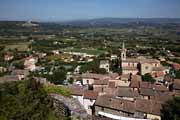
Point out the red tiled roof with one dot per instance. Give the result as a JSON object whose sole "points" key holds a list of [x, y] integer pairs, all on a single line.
{"points": [[114, 103], [158, 74], [126, 92], [176, 66], [76, 90], [110, 91], [161, 88], [146, 85], [163, 96], [148, 106], [140, 105], [90, 94], [147, 92], [114, 76]]}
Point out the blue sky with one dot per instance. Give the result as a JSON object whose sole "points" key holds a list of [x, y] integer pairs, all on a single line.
{"points": [[62, 10]]}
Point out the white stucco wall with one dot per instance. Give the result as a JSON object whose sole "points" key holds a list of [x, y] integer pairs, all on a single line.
{"points": [[79, 98], [153, 117], [87, 103]]}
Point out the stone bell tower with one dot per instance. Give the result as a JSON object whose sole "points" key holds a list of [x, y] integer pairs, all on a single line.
{"points": [[123, 52]]}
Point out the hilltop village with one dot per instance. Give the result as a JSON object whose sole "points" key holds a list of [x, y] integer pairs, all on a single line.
{"points": [[91, 73], [137, 93]]}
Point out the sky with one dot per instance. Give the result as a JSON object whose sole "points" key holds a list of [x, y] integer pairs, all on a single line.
{"points": [[65, 10]]}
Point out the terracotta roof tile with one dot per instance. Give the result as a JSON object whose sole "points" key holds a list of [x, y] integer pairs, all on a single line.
{"points": [[146, 85], [176, 66], [158, 74], [76, 90], [114, 76], [147, 92], [90, 94], [148, 106], [161, 88], [125, 92], [115, 103]]}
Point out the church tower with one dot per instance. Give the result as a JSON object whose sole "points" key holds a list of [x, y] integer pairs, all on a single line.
{"points": [[123, 52]]}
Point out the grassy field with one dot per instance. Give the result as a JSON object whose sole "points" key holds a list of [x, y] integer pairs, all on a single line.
{"points": [[20, 46]]}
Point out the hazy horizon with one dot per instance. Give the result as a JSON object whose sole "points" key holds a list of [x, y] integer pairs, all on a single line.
{"points": [[70, 10]]}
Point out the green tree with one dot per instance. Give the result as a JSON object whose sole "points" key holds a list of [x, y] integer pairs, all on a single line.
{"points": [[148, 78], [19, 64], [177, 74], [58, 77], [92, 67], [24, 100], [2, 48], [171, 109]]}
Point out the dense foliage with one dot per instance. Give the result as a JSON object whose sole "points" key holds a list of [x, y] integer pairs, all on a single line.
{"points": [[25, 101], [92, 67], [56, 76], [171, 110], [58, 90], [148, 78], [177, 74]]}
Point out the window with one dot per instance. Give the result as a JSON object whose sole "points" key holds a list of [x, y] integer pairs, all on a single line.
{"points": [[102, 109], [146, 67], [102, 89], [87, 81]]}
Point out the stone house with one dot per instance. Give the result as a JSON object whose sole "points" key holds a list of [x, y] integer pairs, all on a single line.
{"points": [[30, 63], [104, 64], [126, 93], [111, 107], [124, 80], [89, 98], [89, 78], [146, 93], [115, 108]]}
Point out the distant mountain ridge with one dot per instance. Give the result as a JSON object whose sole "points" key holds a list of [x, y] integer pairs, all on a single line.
{"points": [[114, 21]]}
